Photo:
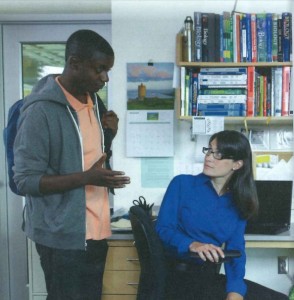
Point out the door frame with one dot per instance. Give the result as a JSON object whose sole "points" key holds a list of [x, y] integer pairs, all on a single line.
{"points": [[14, 276]]}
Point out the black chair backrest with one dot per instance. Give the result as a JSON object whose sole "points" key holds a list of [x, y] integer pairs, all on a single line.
{"points": [[151, 256]]}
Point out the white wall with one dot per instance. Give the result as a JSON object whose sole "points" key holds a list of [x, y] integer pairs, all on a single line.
{"points": [[144, 30]]}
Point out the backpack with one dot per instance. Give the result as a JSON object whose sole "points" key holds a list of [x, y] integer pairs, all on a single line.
{"points": [[9, 134]]}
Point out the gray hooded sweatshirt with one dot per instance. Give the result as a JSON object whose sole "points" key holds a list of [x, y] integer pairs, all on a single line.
{"points": [[48, 142]]}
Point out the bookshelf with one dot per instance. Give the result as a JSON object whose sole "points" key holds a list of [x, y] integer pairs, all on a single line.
{"points": [[258, 120]]}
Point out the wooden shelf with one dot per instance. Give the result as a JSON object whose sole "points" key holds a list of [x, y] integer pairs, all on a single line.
{"points": [[252, 120]]}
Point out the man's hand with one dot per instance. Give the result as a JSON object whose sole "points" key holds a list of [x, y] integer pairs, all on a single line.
{"points": [[207, 251], [110, 120], [99, 176]]}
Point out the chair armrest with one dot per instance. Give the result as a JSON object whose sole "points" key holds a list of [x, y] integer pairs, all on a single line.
{"points": [[229, 254]]}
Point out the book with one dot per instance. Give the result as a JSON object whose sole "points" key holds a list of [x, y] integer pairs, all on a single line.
{"points": [[223, 91], [287, 33], [285, 91], [244, 37], [236, 36], [194, 93], [183, 89], [280, 39], [223, 70], [204, 21], [217, 52], [278, 79], [221, 44], [269, 30], [198, 36], [261, 37], [227, 37], [222, 98], [250, 91], [248, 38], [224, 113], [253, 38], [275, 37], [211, 47], [241, 107]]}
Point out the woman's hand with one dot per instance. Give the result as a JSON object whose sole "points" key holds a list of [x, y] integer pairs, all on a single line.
{"points": [[207, 251], [234, 296]]}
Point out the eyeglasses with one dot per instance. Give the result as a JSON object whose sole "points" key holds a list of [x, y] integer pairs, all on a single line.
{"points": [[216, 154]]}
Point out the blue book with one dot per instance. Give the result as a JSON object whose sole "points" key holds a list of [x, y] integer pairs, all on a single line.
{"points": [[261, 37], [224, 113], [194, 93], [221, 33], [269, 34], [287, 33], [248, 38], [222, 106]]}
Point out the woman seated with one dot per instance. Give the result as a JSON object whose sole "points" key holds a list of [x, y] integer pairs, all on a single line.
{"points": [[205, 212]]}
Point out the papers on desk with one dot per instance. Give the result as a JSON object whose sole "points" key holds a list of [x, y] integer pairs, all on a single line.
{"points": [[121, 224]]}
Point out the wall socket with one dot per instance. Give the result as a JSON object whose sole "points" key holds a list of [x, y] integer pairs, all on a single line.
{"points": [[283, 265]]}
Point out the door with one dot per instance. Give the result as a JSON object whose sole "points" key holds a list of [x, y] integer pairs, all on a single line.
{"points": [[27, 49]]}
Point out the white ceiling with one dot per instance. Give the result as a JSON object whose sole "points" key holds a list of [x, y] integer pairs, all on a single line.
{"points": [[54, 6]]}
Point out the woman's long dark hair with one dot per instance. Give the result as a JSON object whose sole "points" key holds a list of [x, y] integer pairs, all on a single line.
{"points": [[235, 145]]}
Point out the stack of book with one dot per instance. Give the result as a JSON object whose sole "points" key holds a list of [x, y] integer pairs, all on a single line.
{"points": [[241, 37], [222, 92], [236, 91]]}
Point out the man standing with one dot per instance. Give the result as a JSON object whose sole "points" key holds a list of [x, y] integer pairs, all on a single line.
{"points": [[64, 131]]}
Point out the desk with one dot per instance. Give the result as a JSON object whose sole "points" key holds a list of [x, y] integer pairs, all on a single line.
{"points": [[283, 240]]}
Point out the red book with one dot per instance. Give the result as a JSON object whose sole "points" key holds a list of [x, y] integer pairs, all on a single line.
{"points": [[250, 91], [253, 38], [285, 90]]}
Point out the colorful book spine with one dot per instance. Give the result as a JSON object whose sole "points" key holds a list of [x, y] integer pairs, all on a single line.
{"points": [[194, 93], [236, 36], [275, 38], [261, 37], [198, 36], [278, 79], [285, 91], [280, 39], [226, 91], [269, 30], [248, 38], [183, 90], [222, 98], [287, 33], [253, 38], [244, 38], [204, 19], [222, 106], [224, 113], [217, 53], [221, 44], [250, 91]]}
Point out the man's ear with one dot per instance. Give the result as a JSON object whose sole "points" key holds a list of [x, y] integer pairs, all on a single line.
{"points": [[238, 164], [74, 62]]}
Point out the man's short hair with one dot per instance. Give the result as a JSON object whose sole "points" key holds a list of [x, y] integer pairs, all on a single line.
{"points": [[85, 43]]}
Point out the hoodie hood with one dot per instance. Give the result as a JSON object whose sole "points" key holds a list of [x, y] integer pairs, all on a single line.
{"points": [[46, 89]]}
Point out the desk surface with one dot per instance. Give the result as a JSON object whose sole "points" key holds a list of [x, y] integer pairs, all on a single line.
{"points": [[282, 240]]}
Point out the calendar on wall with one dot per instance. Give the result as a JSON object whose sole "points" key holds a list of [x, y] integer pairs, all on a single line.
{"points": [[150, 133]]}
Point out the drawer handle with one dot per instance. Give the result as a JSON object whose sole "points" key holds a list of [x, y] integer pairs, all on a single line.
{"points": [[132, 283], [132, 259]]}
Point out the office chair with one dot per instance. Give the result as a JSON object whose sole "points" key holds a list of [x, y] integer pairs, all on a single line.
{"points": [[158, 272]]}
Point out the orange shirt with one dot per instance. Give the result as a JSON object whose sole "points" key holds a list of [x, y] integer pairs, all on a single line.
{"points": [[97, 203]]}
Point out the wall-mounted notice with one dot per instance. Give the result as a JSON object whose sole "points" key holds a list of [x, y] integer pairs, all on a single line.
{"points": [[207, 125], [150, 133]]}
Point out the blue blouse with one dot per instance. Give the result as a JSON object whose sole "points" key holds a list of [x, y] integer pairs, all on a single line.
{"points": [[191, 211]]}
